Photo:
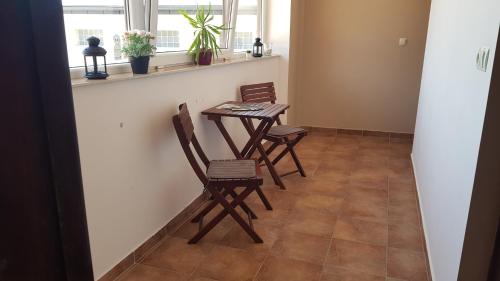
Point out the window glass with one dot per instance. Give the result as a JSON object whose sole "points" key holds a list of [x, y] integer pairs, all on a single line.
{"points": [[104, 19], [168, 39], [243, 40], [172, 24], [246, 25]]}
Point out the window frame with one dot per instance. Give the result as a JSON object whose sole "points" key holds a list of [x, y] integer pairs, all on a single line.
{"points": [[143, 15]]}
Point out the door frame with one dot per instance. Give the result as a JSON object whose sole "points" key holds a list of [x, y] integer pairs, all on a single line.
{"points": [[479, 250]]}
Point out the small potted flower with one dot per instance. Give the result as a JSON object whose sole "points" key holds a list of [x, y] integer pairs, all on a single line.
{"points": [[138, 48]]}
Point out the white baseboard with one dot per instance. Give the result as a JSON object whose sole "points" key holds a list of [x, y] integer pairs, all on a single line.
{"points": [[424, 225]]}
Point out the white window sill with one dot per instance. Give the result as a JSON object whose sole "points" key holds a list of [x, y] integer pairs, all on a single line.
{"points": [[81, 82]]}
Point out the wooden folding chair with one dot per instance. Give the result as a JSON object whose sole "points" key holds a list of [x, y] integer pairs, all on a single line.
{"points": [[221, 179], [280, 134]]}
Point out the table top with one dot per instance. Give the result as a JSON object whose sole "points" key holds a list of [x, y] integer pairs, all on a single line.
{"points": [[269, 110]]}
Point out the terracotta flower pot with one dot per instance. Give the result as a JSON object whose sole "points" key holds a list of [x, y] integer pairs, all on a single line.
{"points": [[139, 65], [205, 57]]}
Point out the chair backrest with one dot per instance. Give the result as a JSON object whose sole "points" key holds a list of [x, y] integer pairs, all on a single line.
{"points": [[263, 92], [185, 132]]}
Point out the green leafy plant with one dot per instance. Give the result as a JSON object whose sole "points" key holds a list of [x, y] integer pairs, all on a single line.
{"points": [[137, 43], [205, 32]]}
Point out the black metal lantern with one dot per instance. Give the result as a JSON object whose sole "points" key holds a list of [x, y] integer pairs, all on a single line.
{"points": [[258, 48], [95, 52]]}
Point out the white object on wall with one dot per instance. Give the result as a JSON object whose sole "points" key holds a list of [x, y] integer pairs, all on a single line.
{"points": [[403, 42], [483, 55]]}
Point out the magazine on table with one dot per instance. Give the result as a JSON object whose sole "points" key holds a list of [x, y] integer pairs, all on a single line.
{"points": [[240, 107]]}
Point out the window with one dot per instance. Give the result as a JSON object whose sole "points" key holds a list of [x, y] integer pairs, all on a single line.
{"points": [[167, 40], [247, 24], [109, 19], [243, 40], [104, 19], [83, 34], [169, 18]]}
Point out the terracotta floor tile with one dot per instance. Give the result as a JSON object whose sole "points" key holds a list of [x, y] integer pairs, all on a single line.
{"points": [[361, 231], [147, 273], [402, 183], [302, 247], [379, 151], [402, 198], [373, 181], [367, 210], [371, 140], [285, 269], [368, 162], [201, 279], [326, 187], [188, 229], [310, 164], [276, 217], [367, 173], [238, 238], [346, 275], [328, 165], [229, 264], [405, 236], [309, 221], [407, 265], [345, 151], [360, 257], [309, 148], [399, 166], [175, 254], [379, 196], [333, 177], [341, 152], [321, 203], [400, 150], [279, 199], [404, 214], [347, 139]]}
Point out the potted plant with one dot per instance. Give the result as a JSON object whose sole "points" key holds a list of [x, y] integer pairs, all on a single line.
{"points": [[205, 45], [138, 48]]}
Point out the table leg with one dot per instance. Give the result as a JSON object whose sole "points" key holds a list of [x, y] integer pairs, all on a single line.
{"points": [[255, 136], [228, 139], [261, 131], [272, 170]]}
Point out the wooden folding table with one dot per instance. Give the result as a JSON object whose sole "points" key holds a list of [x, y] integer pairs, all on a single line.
{"points": [[267, 117]]}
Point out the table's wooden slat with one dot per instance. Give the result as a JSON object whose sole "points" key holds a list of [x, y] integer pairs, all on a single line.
{"points": [[269, 111]]}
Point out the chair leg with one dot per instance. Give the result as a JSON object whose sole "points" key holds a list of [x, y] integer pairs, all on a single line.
{"points": [[256, 238], [297, 162], [243, 205], [208, 208], [290, 149], [281, 155], [269, 151], [263, 198], [228, 209]]}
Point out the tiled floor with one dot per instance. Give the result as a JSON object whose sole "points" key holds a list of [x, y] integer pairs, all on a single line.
{"points": [[354, 218]]}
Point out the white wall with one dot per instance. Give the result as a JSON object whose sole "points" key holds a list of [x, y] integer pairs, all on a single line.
{"points": [[136, 178], [277, 32], [450, 117]]}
